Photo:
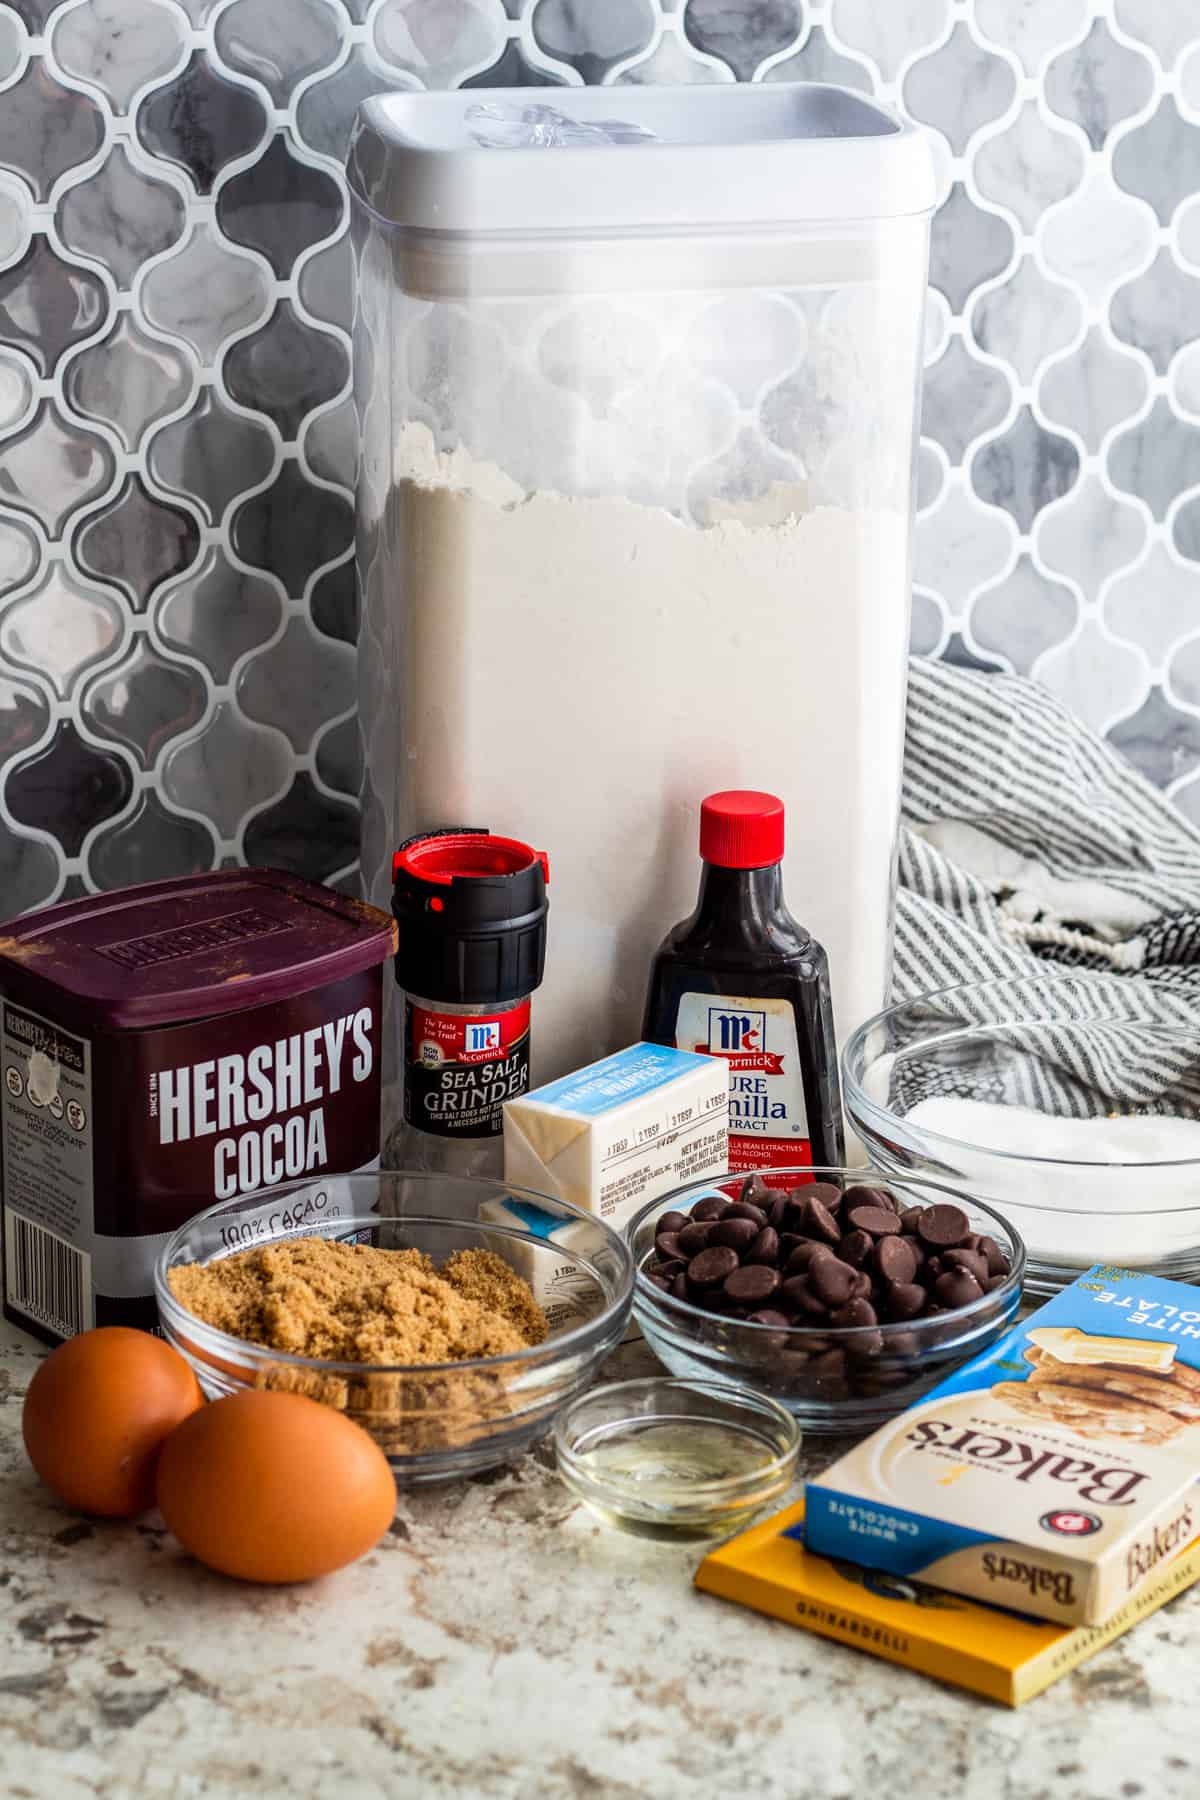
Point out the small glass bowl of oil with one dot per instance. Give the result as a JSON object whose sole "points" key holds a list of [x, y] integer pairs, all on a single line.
{"points": [[676, 1459]]}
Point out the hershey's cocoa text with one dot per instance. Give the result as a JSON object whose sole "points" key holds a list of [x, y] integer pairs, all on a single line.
{"points": [[263, 1107]]}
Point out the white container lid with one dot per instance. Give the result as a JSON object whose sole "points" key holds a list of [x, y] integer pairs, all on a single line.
{"points": [[720, 157]]}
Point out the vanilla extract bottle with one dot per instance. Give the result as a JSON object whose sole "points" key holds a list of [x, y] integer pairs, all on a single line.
{"points": [[742, 980]]}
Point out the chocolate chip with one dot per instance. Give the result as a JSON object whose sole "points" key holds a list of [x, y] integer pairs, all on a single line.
{"points": [[904, 1300], [830, 1366], [757, 1190], [855, 1313], [712, 1267], [777, 1211], [909, 1217], [765, 1248], [680, 1289], [971, 1261], [820, 1223], [752, 1284], [766, 1315], [896, 1259], [831, 1281], [877, 1220], [889, 1374], [693, 1239], [791, 1290], [997, 1281], [793, 1218], [997, 1262], [672, 1221], [739, 1234], [802, 1256], [667, 1244], [660, 1281], [956, 1288], [799, 1297], [711, 1208], [670, 1269], [862, 1195], [855, 1248], [863, 1287], [942, 1227], [741, 1210], [827, 1192], [865, 1343]]}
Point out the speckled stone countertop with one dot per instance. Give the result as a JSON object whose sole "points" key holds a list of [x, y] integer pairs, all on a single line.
{"points": [[501, 1642]]}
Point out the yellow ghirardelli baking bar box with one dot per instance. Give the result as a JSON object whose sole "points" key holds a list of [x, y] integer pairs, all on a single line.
{"points": [[994, 1653], [1054, 1474]]}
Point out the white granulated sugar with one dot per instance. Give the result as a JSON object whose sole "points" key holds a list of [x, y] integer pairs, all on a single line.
{"points": [[1116, 1189], [580, 672]]}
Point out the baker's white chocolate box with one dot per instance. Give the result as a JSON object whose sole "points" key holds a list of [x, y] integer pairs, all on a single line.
{"points": [[1054, 1474]]}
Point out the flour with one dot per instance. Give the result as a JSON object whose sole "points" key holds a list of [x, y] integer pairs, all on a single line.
{"points": [[579, 671]]}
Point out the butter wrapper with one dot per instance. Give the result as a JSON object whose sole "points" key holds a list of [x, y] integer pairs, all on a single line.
{"points": [[622, 1131], [1054, 1474], [559, 1288], [988, 1651]]}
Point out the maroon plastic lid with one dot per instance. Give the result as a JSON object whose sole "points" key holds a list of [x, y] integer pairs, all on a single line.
{"points": [[169, 951]]}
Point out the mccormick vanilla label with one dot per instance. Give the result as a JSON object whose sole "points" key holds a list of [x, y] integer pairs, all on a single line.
{"points": [[1054, 1474], [756, 1041]]}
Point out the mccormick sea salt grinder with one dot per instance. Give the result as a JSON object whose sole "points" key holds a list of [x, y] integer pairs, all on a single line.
{"points": [[471, 910], [743, 981]]}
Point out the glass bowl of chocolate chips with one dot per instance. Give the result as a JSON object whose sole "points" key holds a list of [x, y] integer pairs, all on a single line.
{"points": [[845, 1294]]}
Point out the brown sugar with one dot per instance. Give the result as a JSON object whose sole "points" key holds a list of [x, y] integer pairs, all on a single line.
{"points": [[352, 1303]]}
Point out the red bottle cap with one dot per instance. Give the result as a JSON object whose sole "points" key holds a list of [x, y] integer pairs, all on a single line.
{"points": [[741, 829]]}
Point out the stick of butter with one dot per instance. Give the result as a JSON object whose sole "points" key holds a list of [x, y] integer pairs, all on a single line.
{"points": [[622, 1131], [1068, 1345]]}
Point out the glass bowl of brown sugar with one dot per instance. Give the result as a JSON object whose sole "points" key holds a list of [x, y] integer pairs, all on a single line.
{"points": [[450, 1316]]}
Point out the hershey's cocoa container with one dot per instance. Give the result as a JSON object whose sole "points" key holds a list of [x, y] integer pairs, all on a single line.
{"points": [[166, 1046]]}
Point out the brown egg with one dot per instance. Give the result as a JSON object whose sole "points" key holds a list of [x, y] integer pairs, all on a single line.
{"points": [[275, 1487], [96, 1415]]}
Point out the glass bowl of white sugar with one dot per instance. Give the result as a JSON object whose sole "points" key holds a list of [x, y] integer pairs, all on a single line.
{"points": [[1070, 1103]]}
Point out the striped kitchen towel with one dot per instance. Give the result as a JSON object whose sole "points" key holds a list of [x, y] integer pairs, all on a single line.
{"points": [[1032, 853]]}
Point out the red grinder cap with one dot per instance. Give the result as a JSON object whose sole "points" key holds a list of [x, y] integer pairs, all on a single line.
{"points": [[471, 911], [741, 829]]}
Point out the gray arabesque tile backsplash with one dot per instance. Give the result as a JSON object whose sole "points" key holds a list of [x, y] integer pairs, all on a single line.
{"points": [[177, 609]]}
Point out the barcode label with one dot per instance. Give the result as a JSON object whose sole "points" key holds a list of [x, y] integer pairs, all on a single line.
{"points": [[46, 1277]]}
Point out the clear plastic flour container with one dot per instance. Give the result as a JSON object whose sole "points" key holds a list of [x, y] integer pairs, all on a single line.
{"points": [[637, 375]]}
